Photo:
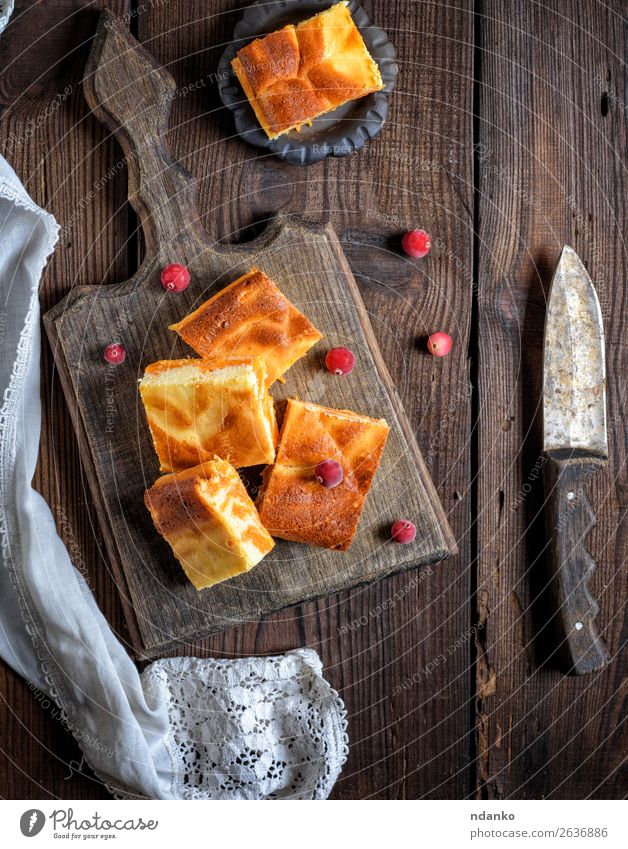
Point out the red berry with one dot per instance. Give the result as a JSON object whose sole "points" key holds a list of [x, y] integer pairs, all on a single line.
{"points": [[439, 344], [114, 353], [175, 277], [329, 473], [403, 531], [340, 361], [416, 243]]}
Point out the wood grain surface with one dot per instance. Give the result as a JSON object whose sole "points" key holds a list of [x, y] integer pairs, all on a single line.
{"points": [[552, 124], [164, 611], [446, 689]]}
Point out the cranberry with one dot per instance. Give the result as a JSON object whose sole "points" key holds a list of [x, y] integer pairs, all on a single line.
{"points": [[403, 531], [329, 473], [114, 353], [416, 243], [439, 344], [340, 361], [175, 277]]}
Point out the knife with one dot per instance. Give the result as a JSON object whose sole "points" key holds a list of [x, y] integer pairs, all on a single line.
{"points": [[576, 446]]}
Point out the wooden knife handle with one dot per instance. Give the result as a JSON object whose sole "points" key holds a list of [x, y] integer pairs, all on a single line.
{"points": [[570, 517], [131, 94]]}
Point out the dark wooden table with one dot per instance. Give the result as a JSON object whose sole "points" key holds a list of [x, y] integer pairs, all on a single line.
{"points": [[507, 138]]}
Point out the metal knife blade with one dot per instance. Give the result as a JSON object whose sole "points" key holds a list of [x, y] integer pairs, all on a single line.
{"points": [[574, 392], [576, 446]]}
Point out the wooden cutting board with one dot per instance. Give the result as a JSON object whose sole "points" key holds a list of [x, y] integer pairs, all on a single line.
{"points": [[131, 95]]}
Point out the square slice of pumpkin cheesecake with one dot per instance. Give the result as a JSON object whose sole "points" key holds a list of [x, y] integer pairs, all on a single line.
{"points": [[198, 409], [250, 318], [298, 500], [206, 516]]}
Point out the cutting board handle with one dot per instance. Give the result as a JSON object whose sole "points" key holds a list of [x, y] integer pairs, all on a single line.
{"points": [[131, 94]]}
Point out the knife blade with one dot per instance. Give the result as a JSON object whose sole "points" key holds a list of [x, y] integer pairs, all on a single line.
{"points": [[575, 443]]}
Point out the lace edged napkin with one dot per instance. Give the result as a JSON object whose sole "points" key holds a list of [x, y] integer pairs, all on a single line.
{"points": [[254, 728]]}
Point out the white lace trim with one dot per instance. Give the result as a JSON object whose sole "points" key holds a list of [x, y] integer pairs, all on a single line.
{"points": [[8, 422], [268, 727], [9, 536]]}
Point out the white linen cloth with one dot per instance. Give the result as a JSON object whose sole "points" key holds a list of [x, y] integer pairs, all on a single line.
{"points": [[185, 728]]}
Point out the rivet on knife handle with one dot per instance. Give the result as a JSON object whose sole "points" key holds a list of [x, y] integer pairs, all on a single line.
{"points": [[569, 520]]}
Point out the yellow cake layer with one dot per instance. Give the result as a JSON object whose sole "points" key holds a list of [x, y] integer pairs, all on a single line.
{"points": [[250, 318], [292, 503], [209, 521], [296, 74], [197, 409]]}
